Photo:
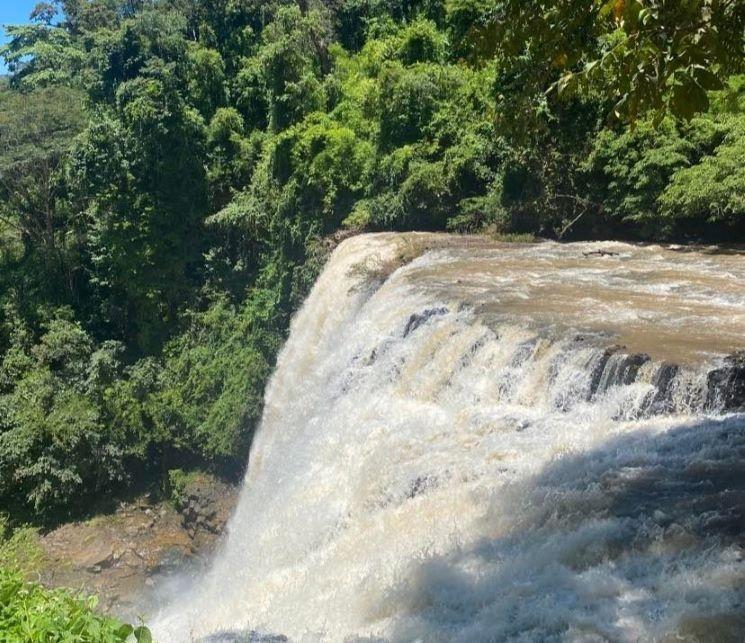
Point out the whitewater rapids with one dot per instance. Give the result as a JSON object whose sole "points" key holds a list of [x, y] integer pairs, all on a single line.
{"points": [[470, 441]]}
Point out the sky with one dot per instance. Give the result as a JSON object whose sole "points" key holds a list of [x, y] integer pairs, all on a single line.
{"points": [[13, 12]]}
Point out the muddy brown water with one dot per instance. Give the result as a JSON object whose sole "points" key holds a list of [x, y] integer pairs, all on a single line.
{"points": [[675, 303]]}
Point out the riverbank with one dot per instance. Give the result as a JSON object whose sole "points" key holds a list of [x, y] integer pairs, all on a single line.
{"points": [[121, 557]]}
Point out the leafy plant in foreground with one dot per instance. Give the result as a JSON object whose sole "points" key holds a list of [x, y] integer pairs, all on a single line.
{"points": [[32, 614]]}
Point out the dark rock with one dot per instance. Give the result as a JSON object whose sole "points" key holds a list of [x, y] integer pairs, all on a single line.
{"points": [[377, 352], [600, 253], [661, 401], [420, 485], [523, 353], [206, 504], [597, 371], [620, 370], [631, 366], [725, 386], [417, 319]]}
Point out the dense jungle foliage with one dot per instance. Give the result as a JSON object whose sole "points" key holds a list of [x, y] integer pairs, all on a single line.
{"points": [[169, 168]]}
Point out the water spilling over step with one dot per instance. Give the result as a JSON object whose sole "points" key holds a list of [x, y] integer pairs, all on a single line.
{"points": [[473, 441]]}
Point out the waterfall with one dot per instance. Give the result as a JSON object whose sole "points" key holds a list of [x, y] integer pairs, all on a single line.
{"points": [[471, 441]]}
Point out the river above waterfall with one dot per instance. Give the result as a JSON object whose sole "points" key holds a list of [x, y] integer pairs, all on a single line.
{"points": [[473, 441], [673, 302]]}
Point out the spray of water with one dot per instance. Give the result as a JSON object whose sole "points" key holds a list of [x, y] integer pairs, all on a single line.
{"points": [[494, 443]]}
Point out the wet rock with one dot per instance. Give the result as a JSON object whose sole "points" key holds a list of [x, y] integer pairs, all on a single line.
{"points": [[466, 359], [725, 386], [171, 560], [420, 485], [664, 376], [417, 319], [715, 628], [600, 253], [598, 369], [118, 556], [662, 380], [630, 367], [620, 369], [206, 504]]}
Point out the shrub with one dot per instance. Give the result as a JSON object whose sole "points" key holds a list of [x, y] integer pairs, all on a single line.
{"points": [[178, 481], [32, 614], [20, 548], [713, 190]]}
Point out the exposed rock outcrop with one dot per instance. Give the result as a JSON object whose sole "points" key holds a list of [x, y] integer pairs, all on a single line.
{"points": [[726, 384], [205, 505], [118, 556]]}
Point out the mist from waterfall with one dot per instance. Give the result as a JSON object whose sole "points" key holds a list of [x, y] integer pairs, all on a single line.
{"points": [[489, 443]]}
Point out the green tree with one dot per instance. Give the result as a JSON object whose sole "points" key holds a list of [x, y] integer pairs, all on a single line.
{"points": [[213, 379], [54, 446], [647, 54], [713, 190], [37, 130]]}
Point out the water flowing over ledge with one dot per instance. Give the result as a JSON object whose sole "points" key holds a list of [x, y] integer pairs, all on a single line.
{"points": [[469, 441]]}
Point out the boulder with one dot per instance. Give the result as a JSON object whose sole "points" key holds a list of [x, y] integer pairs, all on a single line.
{"points": [[205, 504], [725, 385], [417, 319]]}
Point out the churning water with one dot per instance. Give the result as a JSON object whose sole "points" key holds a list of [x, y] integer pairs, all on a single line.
{"points": [[493, 442]]}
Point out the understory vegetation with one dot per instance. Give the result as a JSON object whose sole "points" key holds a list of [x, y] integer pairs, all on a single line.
{"points": [[33, 614], [169, 169]]}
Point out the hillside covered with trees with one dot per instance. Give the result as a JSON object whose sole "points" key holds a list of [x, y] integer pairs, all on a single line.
{"points": [[169, 169]]}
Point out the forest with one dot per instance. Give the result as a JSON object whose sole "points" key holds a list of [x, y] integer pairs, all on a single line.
{"points": [[171, 172]]}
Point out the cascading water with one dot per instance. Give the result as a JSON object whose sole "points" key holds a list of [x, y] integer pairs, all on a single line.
{"points": [[494, 442]]}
